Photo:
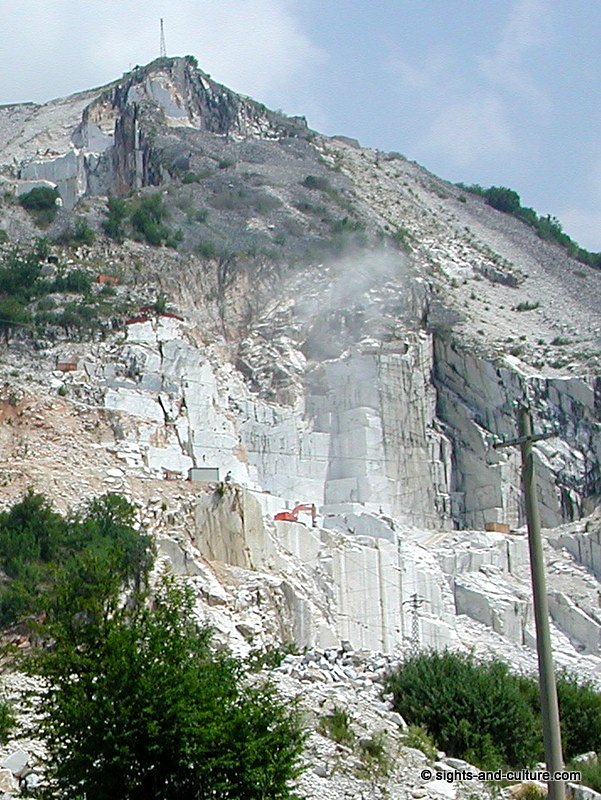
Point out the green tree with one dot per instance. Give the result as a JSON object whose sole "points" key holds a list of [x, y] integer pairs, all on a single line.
{"points": [[139, 706], [54, 563], [12, 315]]}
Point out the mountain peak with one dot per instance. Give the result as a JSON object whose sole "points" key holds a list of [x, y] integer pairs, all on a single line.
{"points": [[100, 141]]}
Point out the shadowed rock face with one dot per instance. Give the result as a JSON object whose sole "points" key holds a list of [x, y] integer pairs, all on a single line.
{"points": [[111, 149]]}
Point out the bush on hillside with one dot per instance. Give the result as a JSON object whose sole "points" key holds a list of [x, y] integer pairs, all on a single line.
{"points": [[487, 715], [547, 227], [473, 711], [503, 199], [41, 203], [140, 706], [116, 212]]}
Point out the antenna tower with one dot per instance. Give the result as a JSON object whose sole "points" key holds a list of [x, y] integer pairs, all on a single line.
{"points": [[163, 49]]}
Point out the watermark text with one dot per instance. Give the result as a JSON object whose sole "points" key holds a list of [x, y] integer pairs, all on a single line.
{"points": [[514, 776]]}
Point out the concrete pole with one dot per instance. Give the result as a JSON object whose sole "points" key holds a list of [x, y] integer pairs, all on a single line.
{"points": [[546, 675]]}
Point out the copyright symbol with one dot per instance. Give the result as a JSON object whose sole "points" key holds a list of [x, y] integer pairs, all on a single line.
{"points": [[426, 774]]}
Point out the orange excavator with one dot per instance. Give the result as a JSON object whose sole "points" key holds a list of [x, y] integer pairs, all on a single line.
{"points": [[292, 516]]}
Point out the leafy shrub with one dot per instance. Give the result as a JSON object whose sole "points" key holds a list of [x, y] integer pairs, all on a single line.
{"points": [[418, 737], [139, 706], [3, 236], [19, 274], [206, 250], [310, 208], [46, 304], [590, 772], [226, 163], [41, 203], [77, 280], [262, 202], [547, 227], [116, 216], [526, 306], [503, 199], [7, 720], [270, 657], [39, 198], [146, 220], [374, 754], [402, 237], [529, 791], [12, 315], [474, 711], [346, 224], [580, 713], [560, 341], [160, 304], [76, 234], [336, 726], [230, 200], [483, 713], [198, 214], [317, 182]]}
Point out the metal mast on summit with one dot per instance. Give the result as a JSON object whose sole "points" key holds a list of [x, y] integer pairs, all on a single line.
{"points": [[163, 49]]}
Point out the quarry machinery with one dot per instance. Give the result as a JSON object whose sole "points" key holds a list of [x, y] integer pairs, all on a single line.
{"points": [[292, 516]]}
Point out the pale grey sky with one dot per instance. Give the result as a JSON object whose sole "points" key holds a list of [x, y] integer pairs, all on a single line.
{"points": [[487, 91]]}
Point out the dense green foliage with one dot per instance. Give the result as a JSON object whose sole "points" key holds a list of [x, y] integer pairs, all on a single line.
{"points": [[41, 203], [25, 296], [40, 550], [137, 705], [580, 712], [485, 714], [141, 707], [19, 283], [547, 227], [473, 711], [336, 726], [317, 182], [146, 215]]}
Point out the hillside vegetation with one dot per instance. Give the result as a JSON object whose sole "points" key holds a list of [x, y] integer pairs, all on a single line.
{"points": [[137, 701]]}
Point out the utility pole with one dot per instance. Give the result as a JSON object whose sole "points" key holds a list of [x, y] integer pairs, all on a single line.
{"points": [[546, 675], [163, 48]]}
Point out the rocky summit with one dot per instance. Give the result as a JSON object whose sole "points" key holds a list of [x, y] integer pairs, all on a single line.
{"points": [[266, 318]]}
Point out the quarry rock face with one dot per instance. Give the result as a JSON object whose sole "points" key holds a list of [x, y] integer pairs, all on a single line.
{"points": [[345, 330]]}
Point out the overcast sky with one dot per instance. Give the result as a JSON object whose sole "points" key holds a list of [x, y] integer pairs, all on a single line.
{"points": [[502, 92]]}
